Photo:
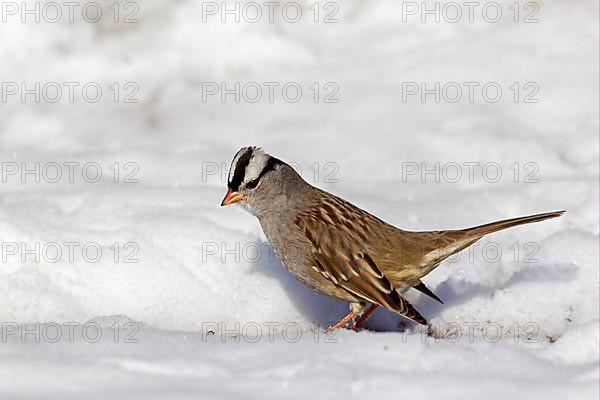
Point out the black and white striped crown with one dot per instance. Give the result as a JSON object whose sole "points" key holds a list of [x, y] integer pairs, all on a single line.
{"points": [[249, 165]]}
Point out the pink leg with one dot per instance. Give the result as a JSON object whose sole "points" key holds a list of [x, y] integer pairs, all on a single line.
{"points": [[342, 322], [356, 325]]}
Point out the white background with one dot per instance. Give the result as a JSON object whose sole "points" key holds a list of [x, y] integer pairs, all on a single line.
{"points": [[175, 137]]}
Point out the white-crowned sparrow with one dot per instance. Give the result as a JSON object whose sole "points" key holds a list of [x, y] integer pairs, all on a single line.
{"points": [[339, 249]]}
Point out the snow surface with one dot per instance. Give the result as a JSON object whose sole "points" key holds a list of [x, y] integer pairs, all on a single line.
{"points": [[163, 319]]}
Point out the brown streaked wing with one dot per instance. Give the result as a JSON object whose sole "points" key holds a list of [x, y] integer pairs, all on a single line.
{"points": [[339, 253]]}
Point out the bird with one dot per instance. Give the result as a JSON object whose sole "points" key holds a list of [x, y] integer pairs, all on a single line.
{"points": [[339, 249]]}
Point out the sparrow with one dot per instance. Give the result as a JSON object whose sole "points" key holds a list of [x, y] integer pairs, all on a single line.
{"points": [[339, 249]]}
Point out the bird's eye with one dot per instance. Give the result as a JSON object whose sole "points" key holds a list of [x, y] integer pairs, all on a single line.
{"points": [[252, 184]]}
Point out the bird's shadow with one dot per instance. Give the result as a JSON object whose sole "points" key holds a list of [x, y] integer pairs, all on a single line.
{"points": [[323, 310], [318, 308], [455, 293]]}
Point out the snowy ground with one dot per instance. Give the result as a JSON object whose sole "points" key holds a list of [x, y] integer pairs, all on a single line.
{"points": [[206, 310]]}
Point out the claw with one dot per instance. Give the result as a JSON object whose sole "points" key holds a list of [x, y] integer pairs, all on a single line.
{"points": [[360, 320]]}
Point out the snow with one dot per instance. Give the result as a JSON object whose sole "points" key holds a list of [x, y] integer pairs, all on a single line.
{"points": [[520, 324]]}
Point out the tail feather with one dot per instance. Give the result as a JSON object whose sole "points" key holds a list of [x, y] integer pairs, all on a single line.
{"points": [[425, 290], [508, 223], [436, 246]]}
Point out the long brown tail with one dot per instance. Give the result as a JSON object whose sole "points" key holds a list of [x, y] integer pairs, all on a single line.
{"points": [[507, 223], [439, 245]]}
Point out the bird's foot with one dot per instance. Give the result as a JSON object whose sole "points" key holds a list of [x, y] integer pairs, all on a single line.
{"points": [[357, 324], [342, 322], [356, 309]]}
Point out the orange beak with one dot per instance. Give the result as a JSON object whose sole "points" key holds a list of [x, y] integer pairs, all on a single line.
{"points": [[231, 197]]}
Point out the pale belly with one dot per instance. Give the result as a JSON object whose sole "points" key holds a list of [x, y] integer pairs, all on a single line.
{"points": [[295, 257]]}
